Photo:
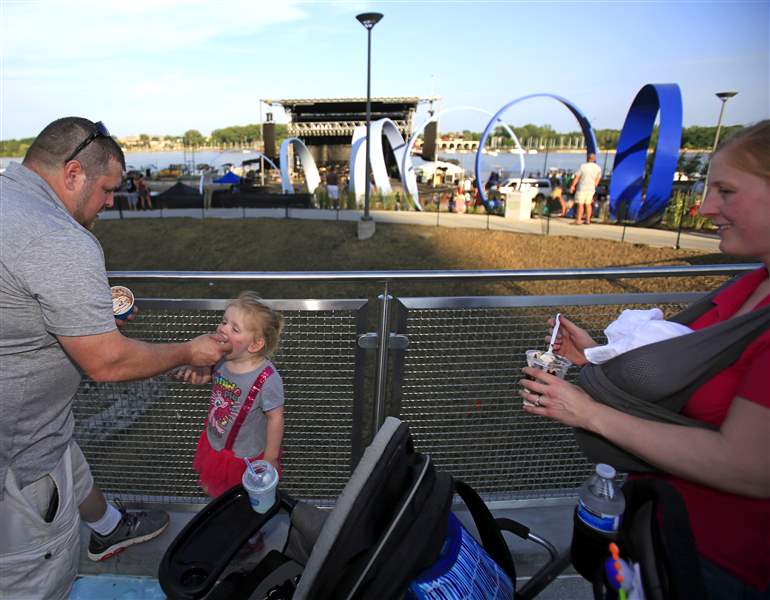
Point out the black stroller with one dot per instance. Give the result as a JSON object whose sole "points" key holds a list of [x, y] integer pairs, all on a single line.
{"points": [[391, 534]]}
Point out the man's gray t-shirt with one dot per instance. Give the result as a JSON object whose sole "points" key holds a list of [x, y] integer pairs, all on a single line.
{"points": [[228, 393], [52, 283], [588, 172]]}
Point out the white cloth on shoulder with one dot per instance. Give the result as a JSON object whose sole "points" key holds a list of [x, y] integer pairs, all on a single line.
{"points": [[634, 328]]}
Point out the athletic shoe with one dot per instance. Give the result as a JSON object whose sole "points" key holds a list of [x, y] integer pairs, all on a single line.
{"points": [[133, 528]]}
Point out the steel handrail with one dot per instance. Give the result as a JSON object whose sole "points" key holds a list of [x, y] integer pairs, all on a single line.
{"points": [[438, 274]]}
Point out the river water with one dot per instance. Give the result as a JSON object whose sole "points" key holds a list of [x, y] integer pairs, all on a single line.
{"points": [[506, 163]]}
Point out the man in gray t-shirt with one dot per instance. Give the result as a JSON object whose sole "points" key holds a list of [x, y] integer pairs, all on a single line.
{"points": [[56, 321], [588, 176]]}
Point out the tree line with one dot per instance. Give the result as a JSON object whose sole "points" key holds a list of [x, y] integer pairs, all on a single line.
{"points": [[695, 137]]}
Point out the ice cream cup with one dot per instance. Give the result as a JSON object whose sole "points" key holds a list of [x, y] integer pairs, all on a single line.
{"points": [[550, 363], [122, 302]]}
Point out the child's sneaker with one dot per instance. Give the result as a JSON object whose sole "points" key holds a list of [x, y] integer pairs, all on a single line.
{"points": [[133, 528]]}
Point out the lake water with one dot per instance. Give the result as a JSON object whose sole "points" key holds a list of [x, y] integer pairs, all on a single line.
{"points": [[505, 162]]}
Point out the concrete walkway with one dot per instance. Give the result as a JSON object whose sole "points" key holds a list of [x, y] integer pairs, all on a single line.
{"points": [[700, 241]]}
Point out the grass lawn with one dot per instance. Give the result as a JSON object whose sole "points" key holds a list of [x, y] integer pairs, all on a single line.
{"points": [[292, 245]]}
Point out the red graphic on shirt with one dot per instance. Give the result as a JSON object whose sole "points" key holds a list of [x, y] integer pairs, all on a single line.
{"points": [[224, 395]]}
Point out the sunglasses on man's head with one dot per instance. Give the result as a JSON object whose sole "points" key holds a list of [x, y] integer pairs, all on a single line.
{"points": [[100, 131]]}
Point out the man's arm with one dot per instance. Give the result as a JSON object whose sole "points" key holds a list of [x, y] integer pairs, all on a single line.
{"points": [[113, 357], [574, 183]]}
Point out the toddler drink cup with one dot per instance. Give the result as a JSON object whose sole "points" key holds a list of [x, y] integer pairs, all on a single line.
{"points": [[260, 482], [122, 301]]}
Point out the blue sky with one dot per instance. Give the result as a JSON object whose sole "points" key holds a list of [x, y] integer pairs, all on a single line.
{"points": [[165, 66]]}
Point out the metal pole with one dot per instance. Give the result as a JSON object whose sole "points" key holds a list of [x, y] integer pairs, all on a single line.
{"points": [[261, 154], [724, 97], [383, 339], [681, 218], [368, 188]]}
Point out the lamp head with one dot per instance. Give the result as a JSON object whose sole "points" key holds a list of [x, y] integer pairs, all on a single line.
{"points": [[725, 96], [369, 20]]}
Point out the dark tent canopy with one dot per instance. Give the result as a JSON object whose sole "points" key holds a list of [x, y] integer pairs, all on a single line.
{"points": [[179, 195]]}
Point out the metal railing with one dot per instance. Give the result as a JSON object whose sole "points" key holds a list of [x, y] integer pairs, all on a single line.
{"points": [[447, 365]]}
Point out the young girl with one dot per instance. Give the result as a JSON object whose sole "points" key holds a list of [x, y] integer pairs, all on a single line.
{"points": [[245, 418]]}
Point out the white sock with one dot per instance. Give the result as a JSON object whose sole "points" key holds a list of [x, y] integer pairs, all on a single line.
{"points": [[108, 522]]}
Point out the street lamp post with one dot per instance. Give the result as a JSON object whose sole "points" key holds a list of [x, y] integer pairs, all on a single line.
{"points": [[261, 154], [724, 97], [368, 20]]}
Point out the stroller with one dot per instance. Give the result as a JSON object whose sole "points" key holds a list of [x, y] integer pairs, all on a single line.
{"points": [[391, 534]]}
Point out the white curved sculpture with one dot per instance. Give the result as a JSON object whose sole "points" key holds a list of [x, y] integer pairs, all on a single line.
{"points": [[357, 164], [407, 168], [386, 127], [312, 177], [378, 129]]}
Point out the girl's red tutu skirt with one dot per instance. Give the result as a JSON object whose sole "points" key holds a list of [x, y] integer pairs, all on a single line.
{"points": [[218, 470]]}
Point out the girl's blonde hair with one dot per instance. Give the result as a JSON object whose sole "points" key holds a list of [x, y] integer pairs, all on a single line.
{"points": [[749, 149], [261, 316]]}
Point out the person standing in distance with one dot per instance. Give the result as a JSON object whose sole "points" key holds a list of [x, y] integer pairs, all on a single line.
{"points": [[584, 187], [56, 322]]}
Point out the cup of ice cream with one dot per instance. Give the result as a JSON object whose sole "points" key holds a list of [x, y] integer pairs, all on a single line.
{"points": [[122, 302], [548, 362]]}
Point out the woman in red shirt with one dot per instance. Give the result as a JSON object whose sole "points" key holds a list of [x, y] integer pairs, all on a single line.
{"points": [[723, 475]]}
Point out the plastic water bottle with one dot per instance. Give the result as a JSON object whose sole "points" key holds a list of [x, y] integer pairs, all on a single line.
{"points": [[601, 504], [596, 523]]}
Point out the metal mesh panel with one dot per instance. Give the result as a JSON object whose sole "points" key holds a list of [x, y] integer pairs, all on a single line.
{"points": [[461, 397], [140, 437]]}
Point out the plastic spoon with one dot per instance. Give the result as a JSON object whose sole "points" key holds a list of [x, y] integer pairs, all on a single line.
{"points": [[553, 334]]}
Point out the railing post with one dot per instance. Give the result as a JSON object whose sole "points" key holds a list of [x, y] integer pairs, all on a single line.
{"points": [[383, 339]]}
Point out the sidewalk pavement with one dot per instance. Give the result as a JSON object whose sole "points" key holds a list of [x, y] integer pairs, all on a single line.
{"points": [[700, 241], [551, 520]]}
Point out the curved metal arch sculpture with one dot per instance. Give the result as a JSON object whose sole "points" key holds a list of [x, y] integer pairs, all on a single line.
{"points": [[407, 174], [626, 199], [387, 128], [585, 127], [357, 165], [379, 128], [312, 177]]}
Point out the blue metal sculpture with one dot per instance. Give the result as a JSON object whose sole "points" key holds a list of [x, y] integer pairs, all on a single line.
{"points": [[582, 120], [627, 200]]}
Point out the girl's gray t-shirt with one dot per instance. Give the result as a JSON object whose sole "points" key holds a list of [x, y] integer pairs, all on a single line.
{"points": [[228, 393]]}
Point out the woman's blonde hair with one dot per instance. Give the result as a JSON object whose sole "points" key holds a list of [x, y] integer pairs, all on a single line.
{"points": [[749, 149], [262, 317]]}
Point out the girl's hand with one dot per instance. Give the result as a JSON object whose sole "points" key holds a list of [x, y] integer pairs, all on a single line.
{"points": [[196, 375], [571, 340], [549, 396]]}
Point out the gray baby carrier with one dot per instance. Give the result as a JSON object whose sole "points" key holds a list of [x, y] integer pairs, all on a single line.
{"points": [[656, 381]]}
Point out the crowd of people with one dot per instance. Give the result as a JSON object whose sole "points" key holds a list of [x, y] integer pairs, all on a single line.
{"points": [[57, 323]]}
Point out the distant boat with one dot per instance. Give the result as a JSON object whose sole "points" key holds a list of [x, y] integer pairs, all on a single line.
{"points": [[532, 151]]}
